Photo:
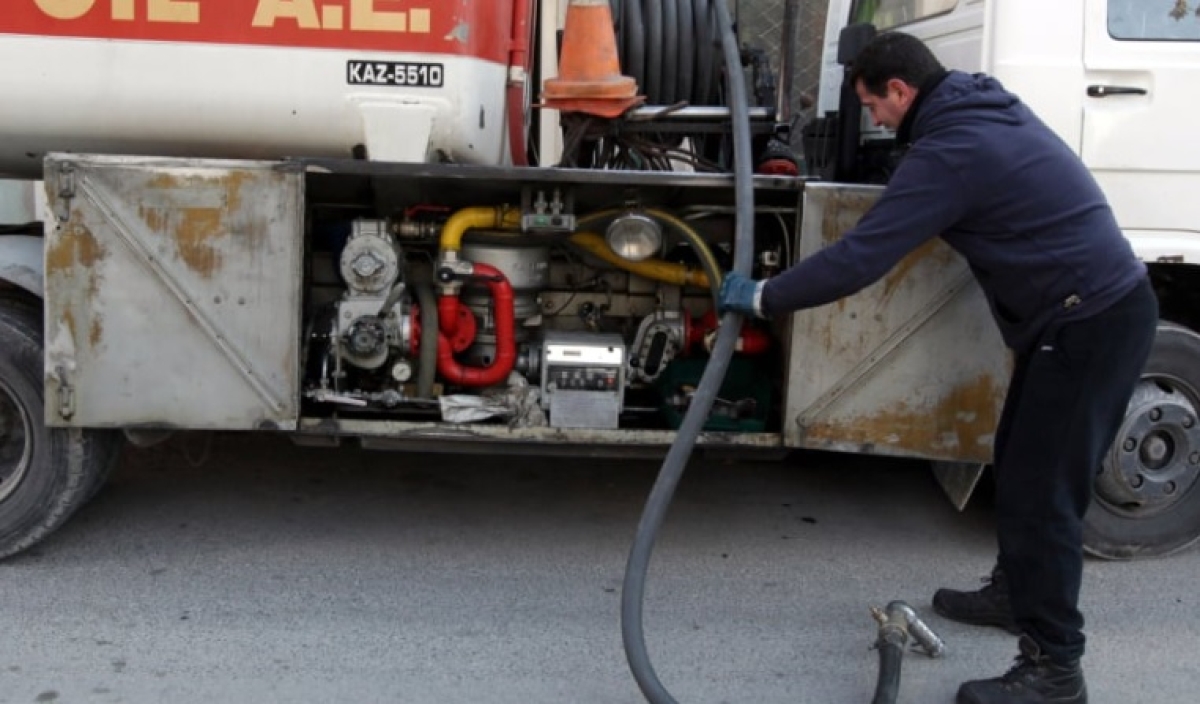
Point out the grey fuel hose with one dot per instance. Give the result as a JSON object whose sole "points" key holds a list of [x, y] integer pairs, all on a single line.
{"points": [[898, 622], [634, 588], [427, 368]]}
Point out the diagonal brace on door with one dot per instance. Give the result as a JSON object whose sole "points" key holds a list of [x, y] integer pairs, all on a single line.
{"points": [[863, 369], [135, 237]]}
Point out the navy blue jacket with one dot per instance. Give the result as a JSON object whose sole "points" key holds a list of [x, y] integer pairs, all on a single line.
{"points": [[1002, 189]]}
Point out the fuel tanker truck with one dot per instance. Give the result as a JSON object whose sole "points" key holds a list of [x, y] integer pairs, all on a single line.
{"points": [[488, 226]]}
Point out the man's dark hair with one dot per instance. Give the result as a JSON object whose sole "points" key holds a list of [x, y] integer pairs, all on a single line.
{"points": [[894, 55]]}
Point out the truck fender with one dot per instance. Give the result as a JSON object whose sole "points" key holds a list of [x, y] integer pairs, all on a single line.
{"points": [[22, 262]]}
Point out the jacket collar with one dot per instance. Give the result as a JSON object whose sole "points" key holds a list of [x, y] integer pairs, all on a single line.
{"points": [[904, 136]]}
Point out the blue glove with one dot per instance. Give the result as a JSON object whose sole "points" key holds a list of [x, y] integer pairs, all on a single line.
{"points": [[740, 294]]}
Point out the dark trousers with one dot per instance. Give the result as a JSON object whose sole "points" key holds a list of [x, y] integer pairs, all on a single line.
{"points": [[1065, 403]]}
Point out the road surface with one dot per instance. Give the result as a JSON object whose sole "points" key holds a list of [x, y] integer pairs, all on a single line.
{"points": [[248, 570]]}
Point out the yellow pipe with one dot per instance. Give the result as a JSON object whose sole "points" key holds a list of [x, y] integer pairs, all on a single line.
{"points": [[501, 218], [656, 269]]}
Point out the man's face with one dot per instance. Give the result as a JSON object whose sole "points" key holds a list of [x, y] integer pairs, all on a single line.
{"points": [[889, 109]]}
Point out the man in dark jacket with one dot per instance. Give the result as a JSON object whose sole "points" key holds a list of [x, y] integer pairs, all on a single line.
{"points": [[1071, 299]]}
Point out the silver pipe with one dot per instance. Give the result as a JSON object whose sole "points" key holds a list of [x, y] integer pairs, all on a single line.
{"points": [[787, 62], [704, 112], [691, 212], [929, 641]]}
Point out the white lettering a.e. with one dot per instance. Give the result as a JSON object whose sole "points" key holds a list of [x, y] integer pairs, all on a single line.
{"points": [[122, 11], [364, 16], [183, 11], [65, 9], [304, 12]]}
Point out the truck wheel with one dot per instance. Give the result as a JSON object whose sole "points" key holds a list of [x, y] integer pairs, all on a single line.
{"points": [[1147, 499], [45, 473], [108, 457]]}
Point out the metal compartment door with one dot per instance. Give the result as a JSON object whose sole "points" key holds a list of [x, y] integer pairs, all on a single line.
{"points": [[912, 365], [173, 293]]}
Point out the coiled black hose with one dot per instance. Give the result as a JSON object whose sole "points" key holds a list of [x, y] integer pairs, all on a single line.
{"points": [[670, 47]]}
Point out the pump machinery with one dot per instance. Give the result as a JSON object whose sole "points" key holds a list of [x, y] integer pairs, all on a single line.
{"points": [[404, 311]]}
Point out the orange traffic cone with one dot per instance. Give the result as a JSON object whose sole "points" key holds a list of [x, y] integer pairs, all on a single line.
{"points": [[589, 71]]}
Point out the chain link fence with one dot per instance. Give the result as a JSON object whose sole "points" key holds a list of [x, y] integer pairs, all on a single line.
{"points": [[760, 23]]}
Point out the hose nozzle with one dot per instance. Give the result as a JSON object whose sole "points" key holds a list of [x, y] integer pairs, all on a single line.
{"points": [[899, 615]]}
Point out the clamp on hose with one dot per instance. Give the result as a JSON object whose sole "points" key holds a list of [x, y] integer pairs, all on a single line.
{"points": [[900, 615], [897, 622]]}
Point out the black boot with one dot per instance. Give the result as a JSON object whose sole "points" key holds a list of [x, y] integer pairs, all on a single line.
{"points": [[1034, 679], [986, 607]]}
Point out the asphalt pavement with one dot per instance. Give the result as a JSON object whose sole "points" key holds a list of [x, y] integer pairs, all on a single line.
{"points": [[243, 569]]}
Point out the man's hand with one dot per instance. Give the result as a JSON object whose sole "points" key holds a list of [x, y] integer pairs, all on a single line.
{"points": [[740, 294]]}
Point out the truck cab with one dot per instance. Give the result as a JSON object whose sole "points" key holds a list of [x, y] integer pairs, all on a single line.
{"points": [[1114, 78]]}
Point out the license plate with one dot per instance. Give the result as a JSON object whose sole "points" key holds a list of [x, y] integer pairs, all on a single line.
{"points": [[395, 73]]}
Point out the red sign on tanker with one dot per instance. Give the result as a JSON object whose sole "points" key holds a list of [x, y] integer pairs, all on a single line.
{"points": [[426, 26]]}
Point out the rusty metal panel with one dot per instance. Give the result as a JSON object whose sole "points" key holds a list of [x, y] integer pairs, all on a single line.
{"points": [[173, 293], [911, 366]]}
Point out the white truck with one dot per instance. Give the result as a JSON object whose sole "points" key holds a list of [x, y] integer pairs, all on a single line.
{"points": [[352, 220]]}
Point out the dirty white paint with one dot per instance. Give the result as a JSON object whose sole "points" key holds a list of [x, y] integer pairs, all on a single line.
{"points": [[912, 365], [173, 289], [242, 102]]}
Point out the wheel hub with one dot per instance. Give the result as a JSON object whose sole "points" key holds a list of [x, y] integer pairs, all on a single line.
{"points": [[1156, 450], [1155, 458]]}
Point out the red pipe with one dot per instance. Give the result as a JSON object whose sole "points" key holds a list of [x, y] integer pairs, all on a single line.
{"points": [[519, 59], [448, 319], [751, 340], [506, 346], [456, 322], [414, 336]]}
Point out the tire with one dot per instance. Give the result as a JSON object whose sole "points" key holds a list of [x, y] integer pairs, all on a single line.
{"points": [[46, 474], [109, 456], [1147, 498]]}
